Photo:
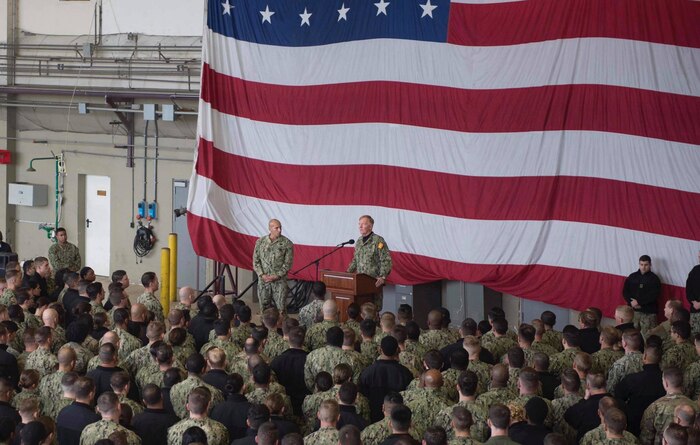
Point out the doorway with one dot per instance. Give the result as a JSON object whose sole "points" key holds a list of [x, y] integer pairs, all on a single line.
{"points": [[97, 200]]}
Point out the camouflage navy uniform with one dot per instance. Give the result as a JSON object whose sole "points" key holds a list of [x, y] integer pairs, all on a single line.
{"points": [[679, 356], [258, 395], [416, 347], [545, 348], [152, 303], [496, 395], [316, 335], [43, 361], [499, 346], [65, 256], [658, 416], [628, 364], [273, 258], [372, 258], [230, 349], [483, 373], [327, 435], [91, 345], [135, 407], [240, 333], [97, 307], [410, 361], [691, 380], [604, 359], [216, 433], [436, 339], [479, 430], [355, 326], [83, 357], [324, 359], [275, 345], [51, 391], [308, 314], [102, 429], [27, 394], [463, 441], [563, 360], [180, 391], [597, 436], [127, 343], [425, 404], [513, 375], [8, 297], [370, 351], [559, 407], [138, 360], [31, 320], [559, 391], [377, 432], [553, 338]]}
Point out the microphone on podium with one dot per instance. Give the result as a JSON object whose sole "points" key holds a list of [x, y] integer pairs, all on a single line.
{"points": [[350, 241]]}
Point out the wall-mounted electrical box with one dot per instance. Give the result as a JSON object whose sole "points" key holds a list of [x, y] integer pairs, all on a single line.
{"points": [[32, 195]]}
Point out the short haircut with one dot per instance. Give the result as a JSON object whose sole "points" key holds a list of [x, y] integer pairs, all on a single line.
{"points": [[499, 415], [633, 338], [610, 335], [571, 338], [682, 328], [583, 362], [198, 400], [529, 378], [323, 381], [267, 434], [349, 435], [462, 418], [342, 373], [555, 439], [674, 434], [296, 337], [459, 359], [597, 380], [119, 380], [293, 439], [107, 402], [261, 374], [318, 288], [570, 380], [274, 402], [234, 384], [151, 394], [541, 361], [516, 357], [368, 327], [401, 417], [270, 317], [537, 410], [615, 420], [347, 393], [588, 319], [467, 382], [194, 435], [195, 363], [527, 332], [257, 415], [171, 377], [83, 387], [244, 314], [29, 405], [435, 435], [216, 357], [66, 355], [674, 377], [33, 433], [548, 318], [389, 346], [500, 325], [645, 259], [148, 278], [334, 336], [107, 353]]}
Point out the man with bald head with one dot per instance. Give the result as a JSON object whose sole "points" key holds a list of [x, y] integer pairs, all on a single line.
{"points": [[316, 335], [435, 337], [427, 401], [58, 335], [272, 259], [499, 392], [185, 298], [50, 386], [138, 322]]}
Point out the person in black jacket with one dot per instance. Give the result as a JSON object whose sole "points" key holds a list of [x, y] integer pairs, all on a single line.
{"points": [[384, 375], [641, 291], [8, 363], [347, 394], [275, 403], [583, 416], [6, 410], [641, 389], [216, 376], [692, 293], [588, 333], [152, 424], [108, 366], [233, 411], [289, 368], [4, 247], [533, 431], [72, 419], [203, 322]]}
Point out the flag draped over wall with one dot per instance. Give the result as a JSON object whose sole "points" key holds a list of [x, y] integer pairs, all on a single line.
{"points": [[538, 147]]}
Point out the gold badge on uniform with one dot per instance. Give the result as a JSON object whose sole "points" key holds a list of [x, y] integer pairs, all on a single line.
{"points": [[380, 246]]}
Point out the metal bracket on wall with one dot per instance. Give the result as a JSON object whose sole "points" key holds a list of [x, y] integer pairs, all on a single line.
{"points": [[127, 120]]}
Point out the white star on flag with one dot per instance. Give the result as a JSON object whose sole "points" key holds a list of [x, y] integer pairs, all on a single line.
{"points": [[427, 9], [343, 13], [227, 7], [381, 7], [267, 15], [305, 18]]}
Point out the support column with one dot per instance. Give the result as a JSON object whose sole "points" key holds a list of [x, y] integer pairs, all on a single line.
{"points": [[8, 125]]}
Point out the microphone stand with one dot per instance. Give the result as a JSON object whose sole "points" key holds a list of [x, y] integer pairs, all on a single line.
{"points": [[318, 260]]}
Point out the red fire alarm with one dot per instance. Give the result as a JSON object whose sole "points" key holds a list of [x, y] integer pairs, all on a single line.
{"points": [[5, 157]]}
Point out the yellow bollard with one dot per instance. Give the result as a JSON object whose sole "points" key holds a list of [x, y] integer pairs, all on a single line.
{"points": [[165, 280], [172, 243]]}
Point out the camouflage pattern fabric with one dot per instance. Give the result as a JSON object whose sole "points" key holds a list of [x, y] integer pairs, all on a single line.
{"points": [[324, 436], [136, 408], [102, 429], [479, 430], [691, 380], [371, 257], [97, 307], [51, 392], [316, 335], [58, 338], [559, 391], [513, 375], [91, 345], [216, 433], [628, 364], [180, 391], [679, 356], [27, 394], [275, 345], [559, 407], [604, 359], [31, 320], [230, 349], [483, 373], [258, 395], [127, 343], [410, 361], [273, 258], [463, 441], [545, 348], [354, 325], [324, 359], [416, 347], [307, 314], [496, 395], [597, 436], [658, 416], [8, 297], [449, 384], [425, 404], [152, 303], [83, 357], [139, 359], [553, 339], [377, 432], [644, 322], [65, 256], [499, 346], [562, 360], [370, 351], [240, 333], [436, 339], [695, 323], [522, 400], [43, 361]]}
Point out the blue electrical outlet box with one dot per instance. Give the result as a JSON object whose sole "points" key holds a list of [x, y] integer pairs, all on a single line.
{"points": [[142, 209], [153, 209]]}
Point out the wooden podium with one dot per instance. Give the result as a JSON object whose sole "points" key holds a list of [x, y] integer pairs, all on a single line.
{"points": [[347, 288]]}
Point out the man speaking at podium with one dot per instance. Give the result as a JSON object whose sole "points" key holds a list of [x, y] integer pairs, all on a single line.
{"points": [[372, 256]]}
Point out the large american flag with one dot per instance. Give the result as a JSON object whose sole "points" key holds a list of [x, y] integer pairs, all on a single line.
{"points": [[538, 147]]}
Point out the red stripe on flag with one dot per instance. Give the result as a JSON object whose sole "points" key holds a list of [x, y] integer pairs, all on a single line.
{"points": [[571, 288], [551, 108], [590, 200], [673, 22]]}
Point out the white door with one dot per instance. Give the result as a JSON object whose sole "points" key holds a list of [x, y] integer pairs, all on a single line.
{"points": [[97, 223]]}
